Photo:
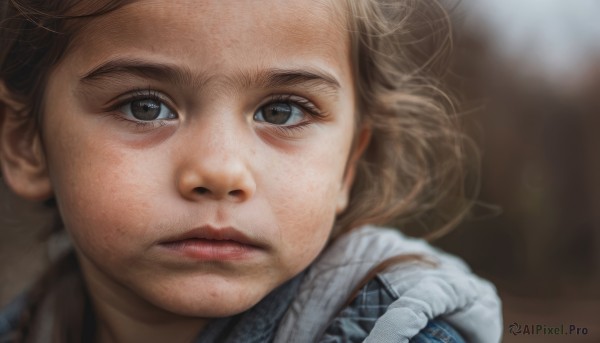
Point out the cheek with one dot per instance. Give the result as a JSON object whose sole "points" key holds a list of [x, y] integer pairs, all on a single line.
{"points": [[305, 209], [97, 190]]}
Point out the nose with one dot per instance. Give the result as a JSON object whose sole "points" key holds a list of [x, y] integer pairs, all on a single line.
{"points": [[217, 173]]}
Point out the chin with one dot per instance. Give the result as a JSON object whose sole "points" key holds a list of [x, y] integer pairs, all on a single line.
{"points": [[208, 301], [213, 308]]}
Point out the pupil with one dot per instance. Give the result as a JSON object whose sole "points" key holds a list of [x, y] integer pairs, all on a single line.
{"points": [[278, 113], [146, 109]]}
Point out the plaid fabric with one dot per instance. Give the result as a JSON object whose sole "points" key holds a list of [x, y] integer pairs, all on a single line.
{"points": [[354, 323]]}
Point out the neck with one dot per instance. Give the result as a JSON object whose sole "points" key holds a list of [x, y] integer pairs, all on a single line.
{"points": [[123, 316], [115, 326]]}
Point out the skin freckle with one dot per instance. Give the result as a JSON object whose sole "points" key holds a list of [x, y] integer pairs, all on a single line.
{"points": [[125, 190]]}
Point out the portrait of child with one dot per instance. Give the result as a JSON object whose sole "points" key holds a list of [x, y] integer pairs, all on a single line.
{"points": [[227, 171]]}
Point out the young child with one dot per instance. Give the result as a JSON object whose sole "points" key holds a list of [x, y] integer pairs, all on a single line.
{"points": [[219, 167]]}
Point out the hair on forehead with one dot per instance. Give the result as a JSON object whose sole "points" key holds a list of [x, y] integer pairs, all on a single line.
{"points": [[34, 36]]}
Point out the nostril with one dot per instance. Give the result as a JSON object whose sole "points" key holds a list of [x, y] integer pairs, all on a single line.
{"points": [[236, 193], [205, 191], [201, 190]]}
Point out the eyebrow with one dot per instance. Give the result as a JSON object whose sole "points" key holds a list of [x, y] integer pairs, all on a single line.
{"points": [[321, 80]]}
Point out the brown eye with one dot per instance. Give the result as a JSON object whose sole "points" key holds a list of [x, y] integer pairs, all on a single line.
{"points": [[279, 113], [147, 109]]}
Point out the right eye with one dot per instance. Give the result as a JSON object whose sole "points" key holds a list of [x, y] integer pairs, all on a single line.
{"points": [[280, 113], [147, 109]]}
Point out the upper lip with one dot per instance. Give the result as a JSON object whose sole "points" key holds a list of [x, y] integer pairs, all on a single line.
{"points": [[218, 234]]}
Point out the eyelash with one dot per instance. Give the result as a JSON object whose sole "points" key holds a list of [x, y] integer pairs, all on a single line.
{"points": [[140, 94], [306, 106], [143, 94]]}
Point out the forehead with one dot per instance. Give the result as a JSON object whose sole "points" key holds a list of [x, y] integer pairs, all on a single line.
{"points": [[221, 35]]}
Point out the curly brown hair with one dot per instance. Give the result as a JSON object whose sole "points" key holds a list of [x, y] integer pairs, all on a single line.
{"points": [[416, 165]]}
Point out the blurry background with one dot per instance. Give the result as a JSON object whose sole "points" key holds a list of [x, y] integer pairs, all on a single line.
{"points": [[529, 71]]}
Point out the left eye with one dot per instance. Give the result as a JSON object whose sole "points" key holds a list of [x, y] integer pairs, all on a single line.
{"points": [[147, 110], [279, 113]]}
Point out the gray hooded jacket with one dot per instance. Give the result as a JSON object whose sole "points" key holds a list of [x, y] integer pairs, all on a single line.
{"points": [[448, 291]]}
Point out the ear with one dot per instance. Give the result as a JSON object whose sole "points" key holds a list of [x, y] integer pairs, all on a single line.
{"points": [[364, 137], [22, 159]]}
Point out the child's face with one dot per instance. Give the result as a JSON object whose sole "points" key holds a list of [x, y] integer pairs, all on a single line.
{"points": [[167, 117]]}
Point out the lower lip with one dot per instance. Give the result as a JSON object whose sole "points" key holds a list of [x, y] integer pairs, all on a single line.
{"points": [[209, 249]]}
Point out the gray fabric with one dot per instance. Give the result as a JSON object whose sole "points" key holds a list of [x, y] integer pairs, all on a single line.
{"points": [[449, 290], [355, 321]]}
